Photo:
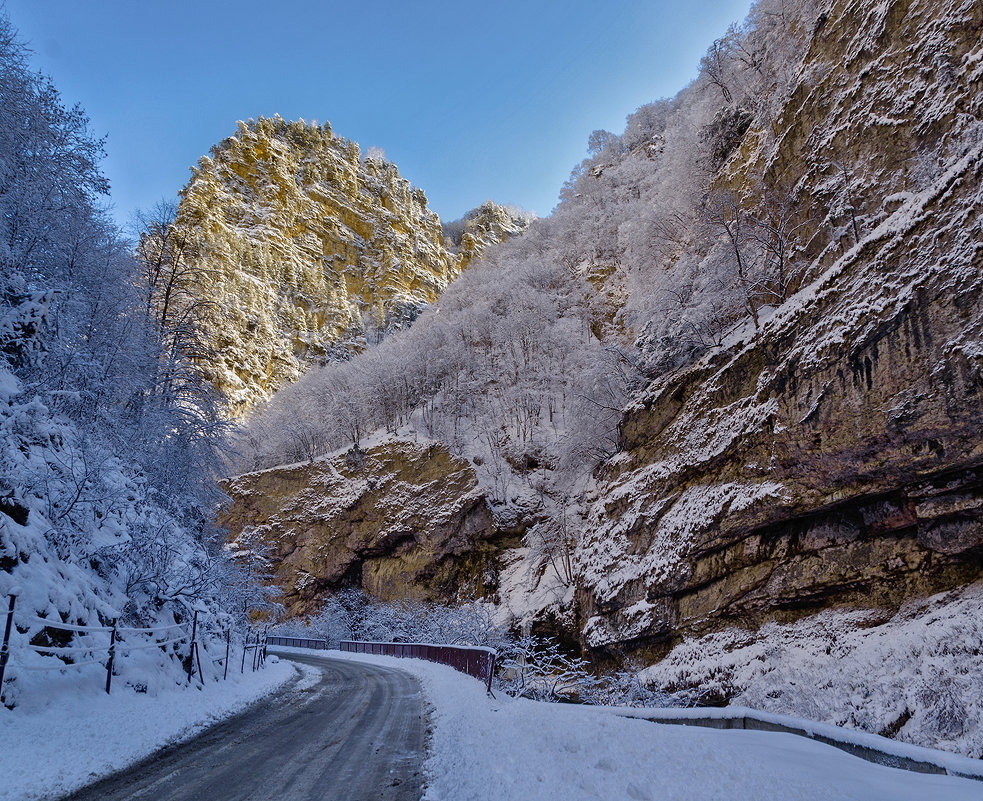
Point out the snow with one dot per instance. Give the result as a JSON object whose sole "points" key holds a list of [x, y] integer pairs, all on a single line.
{"points": [[79, 734], [9, 385], [952, 764], [483, 749], [917, 673], [608, 559], [529, 585]]}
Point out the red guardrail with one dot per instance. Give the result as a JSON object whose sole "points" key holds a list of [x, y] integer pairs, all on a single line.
{"points": [[477, 662]]}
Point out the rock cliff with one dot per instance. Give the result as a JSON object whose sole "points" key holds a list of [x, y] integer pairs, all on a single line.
{"points": [[300, 245], [833, 457], [303, 249], [401, 520], [483, 227]]}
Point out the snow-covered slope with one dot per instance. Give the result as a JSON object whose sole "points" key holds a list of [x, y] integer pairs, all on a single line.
{"points": [[914, 675]]}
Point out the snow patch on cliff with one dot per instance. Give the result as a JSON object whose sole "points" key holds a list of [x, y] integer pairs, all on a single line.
{"points": [[612, 557]]}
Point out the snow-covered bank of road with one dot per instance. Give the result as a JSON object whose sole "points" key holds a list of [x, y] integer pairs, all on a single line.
{"points": [[513, 749], [80, 733]]}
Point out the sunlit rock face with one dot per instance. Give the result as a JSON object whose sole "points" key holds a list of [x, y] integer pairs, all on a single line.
{"points": [[401, 520], [483, 227], [834, 457], [303, 249]]}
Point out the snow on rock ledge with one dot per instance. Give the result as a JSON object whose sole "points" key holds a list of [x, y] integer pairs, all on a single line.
{"points": [[848, 427], [401, 520]]}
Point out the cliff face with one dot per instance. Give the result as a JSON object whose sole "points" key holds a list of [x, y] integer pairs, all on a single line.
{"points": [[827, 453], [401, 520], [299, 246], [834, 456], [481, 228]]}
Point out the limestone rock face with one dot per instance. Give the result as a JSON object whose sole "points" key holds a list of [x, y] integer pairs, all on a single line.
{"points": [[835, 456], [402, 520], [301, 246], [483, 227]]}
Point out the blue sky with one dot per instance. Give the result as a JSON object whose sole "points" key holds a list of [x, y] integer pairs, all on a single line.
{"points": [[471, 100]]}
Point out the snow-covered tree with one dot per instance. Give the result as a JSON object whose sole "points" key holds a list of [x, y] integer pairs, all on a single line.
{"points": [[105, 474]]}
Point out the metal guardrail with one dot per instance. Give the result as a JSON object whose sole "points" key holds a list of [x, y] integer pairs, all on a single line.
{"points": [[866, 745], [298, 642], [474, 661]]}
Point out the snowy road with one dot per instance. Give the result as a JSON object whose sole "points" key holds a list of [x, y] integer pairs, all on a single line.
{"points": [[355, 734]]}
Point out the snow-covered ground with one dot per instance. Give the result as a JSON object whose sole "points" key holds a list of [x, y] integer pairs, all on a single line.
{"points": [[917, 673], [509, 749], [79, 734], [481, 748]]}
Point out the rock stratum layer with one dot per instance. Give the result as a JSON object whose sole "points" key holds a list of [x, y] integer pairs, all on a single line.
{"points": [[402, 520], [835, 456], [303, 249]]}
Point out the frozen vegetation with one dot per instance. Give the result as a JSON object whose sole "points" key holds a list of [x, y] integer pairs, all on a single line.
{"points": [[108, 443], [700, 238]]}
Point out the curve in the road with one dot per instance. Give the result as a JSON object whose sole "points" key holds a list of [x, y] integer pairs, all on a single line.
{"points": [[357, 734]]}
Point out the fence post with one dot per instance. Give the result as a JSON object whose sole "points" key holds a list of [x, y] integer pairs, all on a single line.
{"points": [[245, 647], [112, 656], [191, 649], [5, 649], [228, 640], [201, 673]]}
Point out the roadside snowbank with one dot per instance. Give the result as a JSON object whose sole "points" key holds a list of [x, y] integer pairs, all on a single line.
{"points": [[504, 749], [916, 673], [80, 734]]}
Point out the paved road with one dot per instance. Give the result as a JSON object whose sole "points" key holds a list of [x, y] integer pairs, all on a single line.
{"points": [[357, 734]]}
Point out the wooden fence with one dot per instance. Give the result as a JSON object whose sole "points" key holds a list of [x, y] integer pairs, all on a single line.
{"points": [[90, 646]]}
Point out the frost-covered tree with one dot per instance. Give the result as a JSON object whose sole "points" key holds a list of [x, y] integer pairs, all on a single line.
{"points": [[106, 480]]}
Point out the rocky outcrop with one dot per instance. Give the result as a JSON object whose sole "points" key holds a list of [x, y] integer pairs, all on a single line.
{"points": [[300, 246], [835, 456], [290, 247], [483, 227], [401, 520]]}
